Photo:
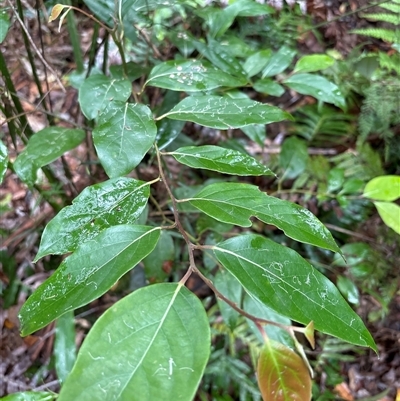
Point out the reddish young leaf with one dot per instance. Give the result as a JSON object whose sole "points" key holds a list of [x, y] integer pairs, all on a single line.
{"points": [[282, 374]]}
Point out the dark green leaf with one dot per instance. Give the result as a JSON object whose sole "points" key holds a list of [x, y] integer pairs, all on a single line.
{"points": [[284, 281], [313, 62], [43, 148], [278, 62], [236, 203], [318, 87], [98, 91], [4, 24], [293, 157], [3, 161], [349, 289], [269, 87], [88, 273], [225, 161], [133, 71], [256, 132], [110, 203], [125, 133], [64, 345], [335, 179], [256, 62], [191, 76], [224, 112], [151, 345]]}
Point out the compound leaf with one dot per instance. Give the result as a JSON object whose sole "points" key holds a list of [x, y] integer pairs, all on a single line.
{"points": [[125, 133], [88, 273], [281, 279], [110, 203], [235, 203], [282, 374], [43, 148], [151, 345], [224, 112], [215, 158]]}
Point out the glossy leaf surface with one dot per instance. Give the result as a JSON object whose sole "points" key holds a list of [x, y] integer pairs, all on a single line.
{"points": [[125, 133], [151, 345], [191, 76], [383, 188], [268, 86], [313, 62], [282, 374], [256, 62], [278, 62], [88, 273], [3, 161], [280, 278], [43, 148], [215, 158], [110, 203], [236, 203], [318, 87], [224, 113], [98, 91], [390, 214]]}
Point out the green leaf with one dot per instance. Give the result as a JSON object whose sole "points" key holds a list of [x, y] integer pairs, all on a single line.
{"points": [[313, 62], [293, 157], [64, 345], [4, 24], [125, 133], [282, 374], [30, 396], [3, 161], [215, 158], [269, 87], [224, 112], [191, 76], [235, 203], [349, 289], [228, 286], [98, 91], [88, 273], [335, 179], [384, 188], [318, 87], [43, 148], [280, 278], [278, 62], [390, 214], [100, 206], [256, 62], [256, 132], [151, 345]]}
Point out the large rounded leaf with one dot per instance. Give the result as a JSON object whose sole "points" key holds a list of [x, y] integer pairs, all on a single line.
{"points": [[110, 203], [151, 345], [98, 91], [43, 148], [88, 273], [383, 188], [235, 203], [219, 159], [224, 112], [280, 278], [282, 374], [124, 135]]}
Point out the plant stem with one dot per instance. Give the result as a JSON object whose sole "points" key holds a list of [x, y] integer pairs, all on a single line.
{"points": [[74, 37]]}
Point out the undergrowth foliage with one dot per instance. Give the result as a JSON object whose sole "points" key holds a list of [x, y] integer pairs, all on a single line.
{"points": [[154, 344]]}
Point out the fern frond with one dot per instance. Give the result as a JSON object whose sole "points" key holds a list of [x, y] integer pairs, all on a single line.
{"points": [[379, 33], [391, 7], [384, 17]]}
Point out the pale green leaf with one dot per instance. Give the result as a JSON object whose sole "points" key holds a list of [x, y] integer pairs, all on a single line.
{"points": [[125, 133], [318, 87], [280, 278], [191, 76], [88, 273], [151, 345], [98, 91], [235, 203], [97, 207], [390, 214], [383, 188], [215, 158], [3, 161], [30, 396], [282, 374], [224, 112], [313, 62], [43, 148]]}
